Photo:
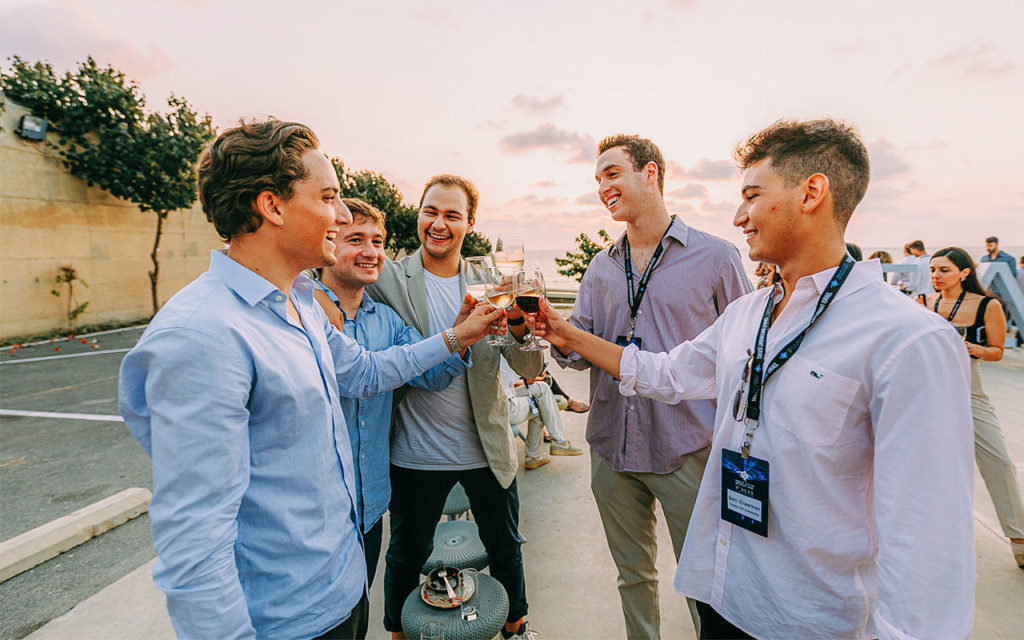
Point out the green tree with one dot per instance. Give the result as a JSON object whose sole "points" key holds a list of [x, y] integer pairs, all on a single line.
{"points": [[109, 139], [399, 218], [575, 263]]}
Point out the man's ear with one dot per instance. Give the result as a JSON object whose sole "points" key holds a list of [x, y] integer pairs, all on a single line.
{"points": [[267, 206], [817, 190], [651, 173]]}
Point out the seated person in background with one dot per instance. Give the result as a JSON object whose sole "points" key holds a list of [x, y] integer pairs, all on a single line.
{"points": [[570, 405], [535, 401]]}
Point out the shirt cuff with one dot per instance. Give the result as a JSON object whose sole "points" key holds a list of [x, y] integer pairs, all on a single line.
{"points": [[434, 350], [627, 371], [456, 366]]}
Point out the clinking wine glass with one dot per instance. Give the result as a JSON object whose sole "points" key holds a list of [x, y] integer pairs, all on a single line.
{"points": [[509, 254], [501, 293], [529, 291], [477, 276]]}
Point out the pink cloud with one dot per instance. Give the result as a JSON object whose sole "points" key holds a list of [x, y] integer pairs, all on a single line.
{"points": [[886, 161], [66, 35], [534, 104], [548, 136], [544, 184], [705, 169], [691, 190]]}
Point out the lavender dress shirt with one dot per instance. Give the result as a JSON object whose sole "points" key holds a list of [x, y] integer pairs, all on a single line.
{"points": [[697, 275]]}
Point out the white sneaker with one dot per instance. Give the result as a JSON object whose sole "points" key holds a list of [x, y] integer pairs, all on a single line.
{"points": [[525, 633], [565, 448]]}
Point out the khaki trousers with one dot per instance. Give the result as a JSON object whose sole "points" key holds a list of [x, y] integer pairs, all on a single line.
{"points": [[994, 461], [625, 501]]}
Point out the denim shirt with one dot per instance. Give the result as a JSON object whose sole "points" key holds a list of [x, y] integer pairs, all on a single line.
{"points": [[377, 327], [253, 510]]}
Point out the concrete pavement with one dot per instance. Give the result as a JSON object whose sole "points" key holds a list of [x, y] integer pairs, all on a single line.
{"points": [[570, 575]]}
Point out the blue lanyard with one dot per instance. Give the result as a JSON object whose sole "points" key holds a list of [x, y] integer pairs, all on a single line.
{"points": [[756, 363], [634, 298]]}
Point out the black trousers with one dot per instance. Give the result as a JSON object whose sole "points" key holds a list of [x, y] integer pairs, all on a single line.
{"points": [[714, 627], [417, 502], [352, 628], [371, 549]]}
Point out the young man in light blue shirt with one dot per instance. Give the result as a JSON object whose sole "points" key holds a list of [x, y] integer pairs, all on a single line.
{"points": [[375, 326], [234, 392]]}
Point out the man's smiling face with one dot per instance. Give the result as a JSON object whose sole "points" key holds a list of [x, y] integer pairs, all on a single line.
{"points": [[443, 221], [360, 254]]}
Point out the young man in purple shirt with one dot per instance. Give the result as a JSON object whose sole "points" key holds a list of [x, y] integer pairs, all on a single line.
{"points": [[661, 283]]}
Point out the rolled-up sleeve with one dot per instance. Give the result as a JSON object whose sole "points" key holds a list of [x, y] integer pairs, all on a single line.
{"points": [[923, 490], [199, 445], [582, 318]]}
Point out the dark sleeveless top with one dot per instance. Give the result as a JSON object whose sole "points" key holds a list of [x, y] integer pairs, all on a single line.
{"points": [[975, 332]]}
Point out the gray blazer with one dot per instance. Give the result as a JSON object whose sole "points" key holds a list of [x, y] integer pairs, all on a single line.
{"points": [[402, 287]]}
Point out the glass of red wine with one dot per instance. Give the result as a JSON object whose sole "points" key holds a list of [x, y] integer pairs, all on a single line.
{"points": [[529, 291]]}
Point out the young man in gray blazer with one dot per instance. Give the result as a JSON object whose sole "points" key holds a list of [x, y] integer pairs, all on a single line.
{"points": [[460, 434]]}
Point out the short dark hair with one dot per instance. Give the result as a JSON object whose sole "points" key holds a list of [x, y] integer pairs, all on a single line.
{"points": [[916, 244], [992, 239], [799, 149], [245, 161], [640, 150], [362, 210], [467, 186], [963, 260]]}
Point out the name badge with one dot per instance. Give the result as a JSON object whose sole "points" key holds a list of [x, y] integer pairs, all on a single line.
{"points": [[745, 492], [625, 341]]}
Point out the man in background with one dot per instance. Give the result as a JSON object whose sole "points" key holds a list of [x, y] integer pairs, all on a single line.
{"points": [[922, 282]]}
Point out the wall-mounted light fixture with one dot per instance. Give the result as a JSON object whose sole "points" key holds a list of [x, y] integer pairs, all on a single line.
{"points": [[31, 128]]}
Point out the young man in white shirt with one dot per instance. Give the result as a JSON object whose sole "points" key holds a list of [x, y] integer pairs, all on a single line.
{"points": [[837, 503]]}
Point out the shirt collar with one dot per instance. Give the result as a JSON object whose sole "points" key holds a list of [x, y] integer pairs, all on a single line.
{"points": [[864, 272], [246, 283], [678, 230]]}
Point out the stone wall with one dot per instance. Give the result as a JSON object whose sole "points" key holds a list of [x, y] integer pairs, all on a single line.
{"points": [[49, 219]]}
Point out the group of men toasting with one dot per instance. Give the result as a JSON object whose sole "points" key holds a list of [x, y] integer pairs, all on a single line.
{"points": [[810, 443]]}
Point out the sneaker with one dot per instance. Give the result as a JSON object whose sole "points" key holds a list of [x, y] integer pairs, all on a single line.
{"points": [[565, 448], [524, 633], [533, 463]]}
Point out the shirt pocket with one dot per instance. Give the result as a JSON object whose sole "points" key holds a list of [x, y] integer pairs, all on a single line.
{"points": [[810, 401]]}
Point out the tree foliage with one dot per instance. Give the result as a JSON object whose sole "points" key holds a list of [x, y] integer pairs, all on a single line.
{"points": [[108, 138], [399, 218], [575, 263]]}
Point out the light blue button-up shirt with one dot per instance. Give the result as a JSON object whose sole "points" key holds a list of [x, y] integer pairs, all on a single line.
{"points": [[253, 508], [377, 327]]}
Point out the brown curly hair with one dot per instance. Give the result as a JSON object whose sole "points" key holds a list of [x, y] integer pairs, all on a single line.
{"points": [[640, 150], [245, 161]]}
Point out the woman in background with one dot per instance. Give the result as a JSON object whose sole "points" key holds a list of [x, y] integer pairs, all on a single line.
{"points": [[961, 299], [884, 258]]}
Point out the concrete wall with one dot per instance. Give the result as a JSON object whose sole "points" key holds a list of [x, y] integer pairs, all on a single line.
{"points": [[49, 219]]}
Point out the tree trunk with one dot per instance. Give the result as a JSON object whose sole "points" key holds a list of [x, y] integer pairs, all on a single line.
{"points": [[154, 275]]}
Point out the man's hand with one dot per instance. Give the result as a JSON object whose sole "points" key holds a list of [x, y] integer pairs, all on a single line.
{"points": [[550, 325], [478, 324], [468, 304]]}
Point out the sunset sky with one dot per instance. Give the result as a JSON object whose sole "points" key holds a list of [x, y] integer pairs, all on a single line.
{"points": [[516, 95]]}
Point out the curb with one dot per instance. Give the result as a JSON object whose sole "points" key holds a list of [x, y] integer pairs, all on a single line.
{"points": [[34, 547]]}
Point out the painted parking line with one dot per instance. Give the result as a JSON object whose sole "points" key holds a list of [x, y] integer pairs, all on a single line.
{"points": [[66, 355], [94, 417]]}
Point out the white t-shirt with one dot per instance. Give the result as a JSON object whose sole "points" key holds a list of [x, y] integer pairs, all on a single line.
{"points": [[435, 430]]}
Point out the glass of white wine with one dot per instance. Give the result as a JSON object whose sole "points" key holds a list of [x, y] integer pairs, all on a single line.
{"points": [[509, 254], [477, 275], [501, 292]]}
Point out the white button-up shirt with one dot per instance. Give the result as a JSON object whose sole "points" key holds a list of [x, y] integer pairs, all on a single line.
{"points": [[868, 433]]}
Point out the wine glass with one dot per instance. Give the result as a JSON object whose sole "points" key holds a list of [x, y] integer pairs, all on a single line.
{"points": [[477, 276], [509, 254], [500, 292], [529, 291], [468, 582]]}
